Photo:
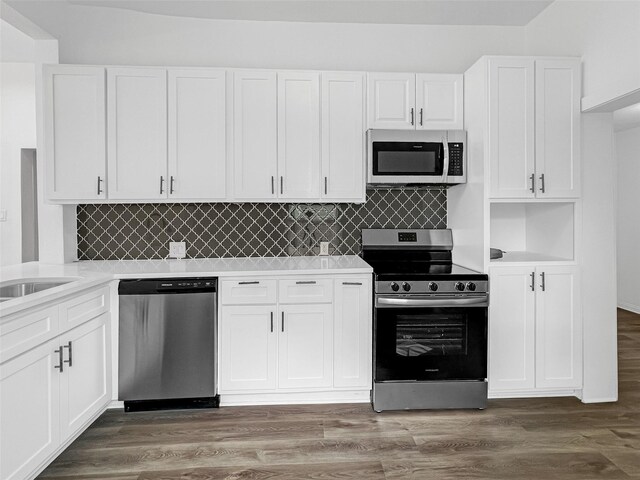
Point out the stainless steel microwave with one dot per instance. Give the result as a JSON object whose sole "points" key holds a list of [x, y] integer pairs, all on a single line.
{"points": [[403, 157]]}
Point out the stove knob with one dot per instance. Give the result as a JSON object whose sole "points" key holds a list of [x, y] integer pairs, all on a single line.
{"points": [[406, 287], [433, 286], [395, 287], [471, 287], [459, 286]]}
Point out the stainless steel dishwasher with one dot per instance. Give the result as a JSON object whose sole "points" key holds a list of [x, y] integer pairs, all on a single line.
{"points": [[167, 349]]}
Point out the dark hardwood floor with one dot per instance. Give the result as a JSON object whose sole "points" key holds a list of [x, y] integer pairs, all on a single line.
{"points": [[553, 438]]}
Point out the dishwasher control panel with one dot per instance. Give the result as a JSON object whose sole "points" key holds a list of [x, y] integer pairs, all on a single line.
{"points": [[167, 285]]}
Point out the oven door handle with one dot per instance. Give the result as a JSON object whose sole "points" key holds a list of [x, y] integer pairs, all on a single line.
{"points": [[390, 302]]}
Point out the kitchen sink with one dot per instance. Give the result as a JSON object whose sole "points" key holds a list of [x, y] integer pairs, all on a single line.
{"points": [[11, 289]]}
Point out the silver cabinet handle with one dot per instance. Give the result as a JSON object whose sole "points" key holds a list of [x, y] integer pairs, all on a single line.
{"points": [[255, 282], [542, 284], [533, 281], [421, 116], [352, 283], [70, 347], [283, 321], [542, 183], [161, 184], [60, 365], [281, 184], [171, 180], [273, 188], [271, 322], [411, 115], [325, 185], [99, 185], [306, 282], [533, 183]]}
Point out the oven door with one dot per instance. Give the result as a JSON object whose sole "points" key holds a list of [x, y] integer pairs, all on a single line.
{"points": [[430, 343]]}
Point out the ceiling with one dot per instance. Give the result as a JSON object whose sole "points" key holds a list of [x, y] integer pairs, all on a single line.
{"points": [[415, 12]]}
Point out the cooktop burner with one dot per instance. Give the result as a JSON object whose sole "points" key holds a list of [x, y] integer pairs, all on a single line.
{"points": [[418, 261]]}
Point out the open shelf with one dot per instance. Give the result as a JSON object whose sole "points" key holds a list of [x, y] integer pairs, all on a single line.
{"points": [[533, 232]]}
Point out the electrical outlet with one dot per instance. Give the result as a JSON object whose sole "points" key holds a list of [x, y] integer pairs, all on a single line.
{"points": [[324, 248], [177, 249]]}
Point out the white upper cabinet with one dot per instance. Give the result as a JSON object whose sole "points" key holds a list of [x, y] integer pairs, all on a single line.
{"points": [[439, 104], [298, 135], [137, 133], [409, 101], [74, 126], [197, 134], [534, 127], [558, 128], [511, 127], [342, 136], [391, 100], [255, 135]]}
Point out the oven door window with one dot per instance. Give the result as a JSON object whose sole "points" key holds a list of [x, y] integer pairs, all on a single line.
{"points": [[408, 158], [431, 344]]}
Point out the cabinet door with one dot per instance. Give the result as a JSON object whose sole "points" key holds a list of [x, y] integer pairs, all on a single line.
{"points": [[298, 135], [511, 329], [29, 405], [391, 100], [352, 336], [75, 132], [439, 102], [343, 164], [305, 346], [248, 344], [197, 134], [558, 128], [255, 135], [558, 328], [511, 127], [137, 133], [85, 385]]}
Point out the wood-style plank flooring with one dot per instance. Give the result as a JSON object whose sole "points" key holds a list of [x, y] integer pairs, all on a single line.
{"points": [[554, 438]]}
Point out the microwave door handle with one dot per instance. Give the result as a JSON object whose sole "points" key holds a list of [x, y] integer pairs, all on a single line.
{"points": [[445, 168]]}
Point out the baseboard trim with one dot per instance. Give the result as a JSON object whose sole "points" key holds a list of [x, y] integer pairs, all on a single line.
{"points": [[533, 394], [629, 307], [294, 398], [600, 400]]}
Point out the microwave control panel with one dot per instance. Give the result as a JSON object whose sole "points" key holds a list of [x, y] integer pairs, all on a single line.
{"points": [[455, 159]]}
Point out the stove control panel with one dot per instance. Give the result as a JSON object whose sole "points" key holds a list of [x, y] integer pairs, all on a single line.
{"points": [[456, 287]]}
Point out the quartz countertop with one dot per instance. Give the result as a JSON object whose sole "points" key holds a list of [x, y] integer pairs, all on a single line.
{"points": [[90, 273]]}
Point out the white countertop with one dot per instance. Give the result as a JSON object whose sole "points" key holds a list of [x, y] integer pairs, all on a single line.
{"points": [[87, 274]]}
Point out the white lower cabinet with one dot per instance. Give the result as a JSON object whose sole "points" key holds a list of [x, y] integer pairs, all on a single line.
{"points": [[50, 392], [305, 346], [85, 381], [535, 330], [29, 406], [248, 348], [316, 338]]}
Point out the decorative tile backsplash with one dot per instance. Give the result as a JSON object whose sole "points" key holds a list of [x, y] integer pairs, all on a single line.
{"points": [[214, 230]]}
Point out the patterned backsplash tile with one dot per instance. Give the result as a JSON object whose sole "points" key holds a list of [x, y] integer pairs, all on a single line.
{"points": [[215, 230]]}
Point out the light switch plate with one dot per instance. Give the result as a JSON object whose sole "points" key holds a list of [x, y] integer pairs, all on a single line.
{"points": [[3, 215], [177, 249], [324, 248]]}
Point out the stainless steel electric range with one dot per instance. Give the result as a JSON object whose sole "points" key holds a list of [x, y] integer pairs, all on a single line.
{"points": [[430, 322]]}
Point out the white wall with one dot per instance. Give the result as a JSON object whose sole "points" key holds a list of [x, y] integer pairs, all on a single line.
{"points": [[99, 35], [17, 131], [627, 144], [605, 33]]}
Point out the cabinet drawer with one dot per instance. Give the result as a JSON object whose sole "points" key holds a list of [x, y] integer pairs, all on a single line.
{"points": [[306, 290], [83, 307], [27, 331], [247, 292]]}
